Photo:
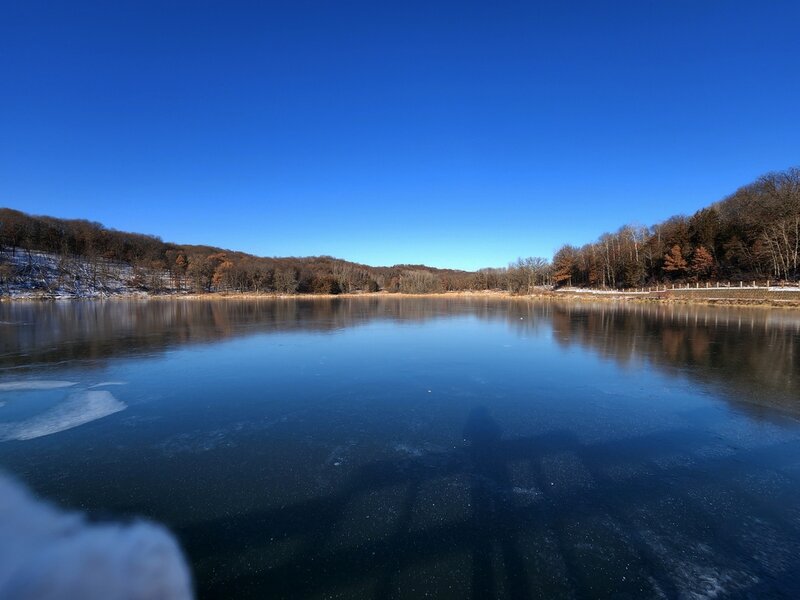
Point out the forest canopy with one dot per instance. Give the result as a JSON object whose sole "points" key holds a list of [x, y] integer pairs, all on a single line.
{"points": [[752, 234], [206, 268]]}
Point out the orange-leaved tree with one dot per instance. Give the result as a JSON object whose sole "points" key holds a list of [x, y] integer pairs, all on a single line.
{"points": [[702, 264], [674, 263]]}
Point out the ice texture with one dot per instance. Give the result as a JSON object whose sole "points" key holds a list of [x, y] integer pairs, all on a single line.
{"points": [[20, 386], [78, 409]]}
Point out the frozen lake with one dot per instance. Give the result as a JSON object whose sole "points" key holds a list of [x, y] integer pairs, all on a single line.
{"points": [[392, 448]]}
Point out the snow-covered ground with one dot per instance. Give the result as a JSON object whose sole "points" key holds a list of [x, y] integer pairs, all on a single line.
{"points": [[42, 275], [662, 289], [599, 292]]}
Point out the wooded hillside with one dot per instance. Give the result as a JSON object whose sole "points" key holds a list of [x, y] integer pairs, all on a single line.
{"points": [[161, 266], [754, 234]]}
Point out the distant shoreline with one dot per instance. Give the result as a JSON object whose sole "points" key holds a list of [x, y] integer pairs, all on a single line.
{"points": [[711, 297]]}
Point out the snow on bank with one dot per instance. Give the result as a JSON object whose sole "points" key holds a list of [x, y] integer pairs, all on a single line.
{"points": [[665, 289], [45, 275], [47, 554], [600, 292]]}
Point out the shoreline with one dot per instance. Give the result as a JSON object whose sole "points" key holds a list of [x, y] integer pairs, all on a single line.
{"points": [[767, 299]]}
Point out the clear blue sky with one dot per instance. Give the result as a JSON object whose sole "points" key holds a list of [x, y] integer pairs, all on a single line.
{"points": [[456, 134]]}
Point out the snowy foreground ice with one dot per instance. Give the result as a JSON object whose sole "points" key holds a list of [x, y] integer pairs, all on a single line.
{"points": [[47, 554]]}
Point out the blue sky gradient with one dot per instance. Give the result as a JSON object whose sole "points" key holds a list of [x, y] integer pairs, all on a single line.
{"points": [[456, 134]]}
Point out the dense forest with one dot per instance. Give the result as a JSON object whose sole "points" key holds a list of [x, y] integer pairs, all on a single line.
{"points": [[753, 234], [158, 266]]}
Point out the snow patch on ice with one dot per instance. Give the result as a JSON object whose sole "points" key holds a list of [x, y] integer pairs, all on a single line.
{"points": [[696, 569], [702, 582], [198, 441], [78, 409], [20, 386], [106, 383], [202, 440], [408, 450], [527, 492]]}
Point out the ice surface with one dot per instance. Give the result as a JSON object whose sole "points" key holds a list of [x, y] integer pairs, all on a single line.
{"points": [[408, 450], [107, 383], [528, 492], [19, 386], [78, 409]]}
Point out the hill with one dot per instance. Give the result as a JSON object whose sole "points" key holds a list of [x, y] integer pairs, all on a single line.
{"points": [[752, 235], [66, 257]]}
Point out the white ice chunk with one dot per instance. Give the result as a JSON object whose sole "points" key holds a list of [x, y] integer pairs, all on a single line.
{"points": [[78, 409], [105, 383], [15, 386]]}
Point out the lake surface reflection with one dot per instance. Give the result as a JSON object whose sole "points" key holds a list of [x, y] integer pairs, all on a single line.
{"points": [[391, 448]]}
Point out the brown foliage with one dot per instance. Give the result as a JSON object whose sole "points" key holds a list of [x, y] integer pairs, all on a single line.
{"points": [[702, 263], [674, 262]]}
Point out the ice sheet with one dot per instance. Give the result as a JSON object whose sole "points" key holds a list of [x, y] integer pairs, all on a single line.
{"points": [[19, 386], [78, 409]]}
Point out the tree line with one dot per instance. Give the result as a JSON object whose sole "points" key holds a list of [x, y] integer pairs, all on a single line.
{"points": [[158, 266], [752, 234]]}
